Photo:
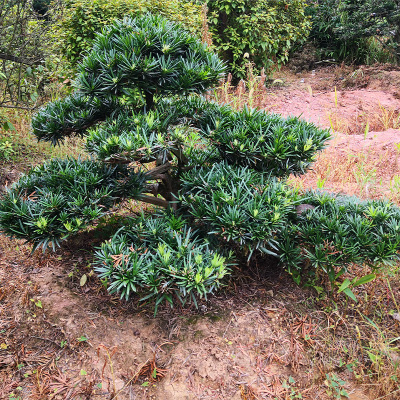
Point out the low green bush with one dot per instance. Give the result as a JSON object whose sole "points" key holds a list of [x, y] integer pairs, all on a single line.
{"points": [[61, 197], [238, 205], [161, 257], [337, 232]]}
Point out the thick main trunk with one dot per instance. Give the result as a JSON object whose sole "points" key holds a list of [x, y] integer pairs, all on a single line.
{"points": [[149, 101], [168, 186]]}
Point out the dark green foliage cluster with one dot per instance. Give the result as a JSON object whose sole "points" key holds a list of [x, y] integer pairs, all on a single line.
{"points": [[145, 138], [340, 231], [131, 136], [133, 62], [371, 18], [62, 197], [41, 6], [267, 142], [238, 205], [70, 116], [257, 31], [82, 19], [220, 174], [264, 142], [146, 56], [344, 30], [161, 257]]}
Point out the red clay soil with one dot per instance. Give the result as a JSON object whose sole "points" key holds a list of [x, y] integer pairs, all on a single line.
{"points": [[363, 157]]}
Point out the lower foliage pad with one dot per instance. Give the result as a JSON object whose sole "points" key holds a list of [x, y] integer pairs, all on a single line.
{"points": [[337, 232], [61, 197], [238, 204], [160, 257]]}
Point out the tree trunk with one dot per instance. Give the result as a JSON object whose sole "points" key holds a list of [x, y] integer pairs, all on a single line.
{"points": [[149, 101]]}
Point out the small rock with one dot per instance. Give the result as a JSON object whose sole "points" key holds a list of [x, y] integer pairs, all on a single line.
{"points": [[237, 396], [119, 384], [395, 316], [303, 208]]}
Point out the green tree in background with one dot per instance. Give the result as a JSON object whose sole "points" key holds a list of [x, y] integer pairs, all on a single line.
{"points": [[25, 45], [258, 31], [83, 18], [372, 18], [343, 29]]}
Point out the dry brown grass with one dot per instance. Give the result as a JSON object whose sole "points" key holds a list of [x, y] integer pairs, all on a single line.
{"points": [[27, 151], [205, 34], [380, 119], [251, 92], [366, 174]]}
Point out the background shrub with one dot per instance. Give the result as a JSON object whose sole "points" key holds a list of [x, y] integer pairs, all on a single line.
{"points": [[83, 18], [360, 31], [257, 31], [27, 61]]}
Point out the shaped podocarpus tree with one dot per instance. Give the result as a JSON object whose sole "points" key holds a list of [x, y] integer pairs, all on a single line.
{"points": [[218, 174]]}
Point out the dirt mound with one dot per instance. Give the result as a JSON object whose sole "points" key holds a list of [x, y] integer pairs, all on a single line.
{"points": [[7, 176], [348, 111]]}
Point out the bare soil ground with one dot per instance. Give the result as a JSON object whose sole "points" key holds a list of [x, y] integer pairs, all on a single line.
{"points": [[262, 337]]}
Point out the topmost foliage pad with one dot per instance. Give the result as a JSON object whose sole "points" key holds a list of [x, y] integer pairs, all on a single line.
{"points": [[150, 54], [131, 63]]}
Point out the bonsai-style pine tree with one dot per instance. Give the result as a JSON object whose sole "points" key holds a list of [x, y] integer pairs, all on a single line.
{"points": [[216, 176]]}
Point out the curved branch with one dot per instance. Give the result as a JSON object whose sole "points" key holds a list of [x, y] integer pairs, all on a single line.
{"points": [[153, 200], [20, 60], [158, 170]]}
